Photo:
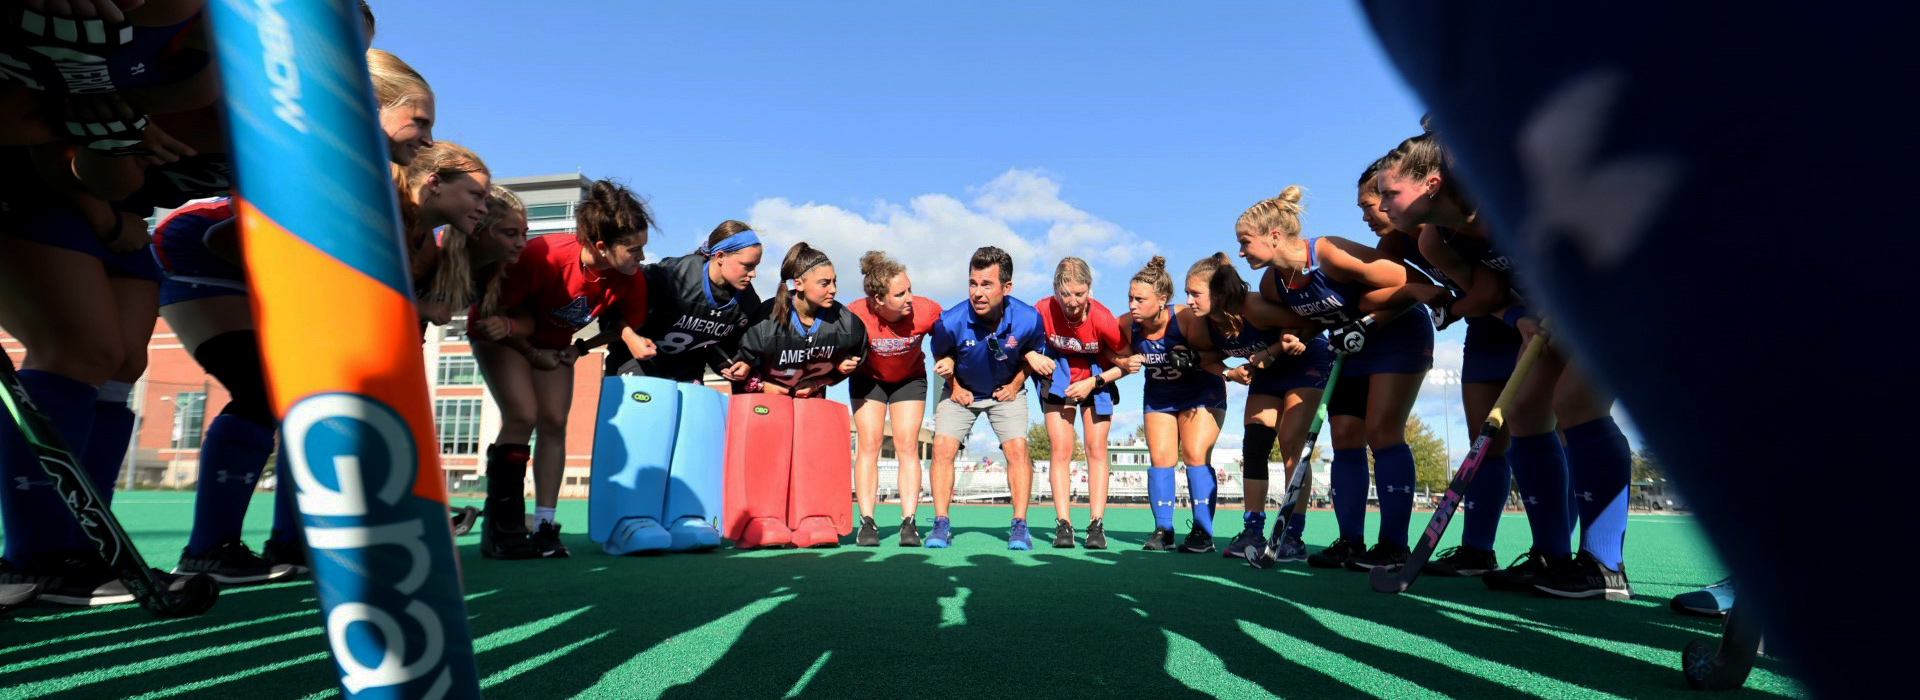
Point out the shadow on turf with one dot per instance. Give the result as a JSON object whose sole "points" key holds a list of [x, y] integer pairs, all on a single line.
{"points": [[859, 622]]}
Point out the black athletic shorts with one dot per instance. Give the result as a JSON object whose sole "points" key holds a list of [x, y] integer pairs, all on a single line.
{"points": [[863, 387], [1349, 397]]}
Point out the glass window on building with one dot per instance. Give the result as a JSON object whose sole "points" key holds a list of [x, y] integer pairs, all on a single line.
{"points": [[537, 213], [456, 328], [458, 423], [457, 370], [189, 419]]}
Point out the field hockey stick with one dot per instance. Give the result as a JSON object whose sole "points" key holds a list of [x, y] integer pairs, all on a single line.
{"points": [[1293, 503], [318, 214], [1727, 667], [1387, 581], [194, 595]]}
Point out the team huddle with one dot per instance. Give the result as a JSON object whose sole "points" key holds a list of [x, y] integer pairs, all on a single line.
{"points": [[1329, 325]]}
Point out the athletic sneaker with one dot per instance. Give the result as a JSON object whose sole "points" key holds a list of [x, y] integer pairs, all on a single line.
{"points": [[1461, 561], [1584, 577], [1290, 549], [1387, 554], [231, 563], [13, 595], [1335, 556], [463, 520], [909, 533], [290, 551], [1161, 540], [869, 534], [1062, 534], [942, 535], [546, 541], [1712, 601], [79, 577], [1252, 534], [495, 544], [1199, 541], [1096, 534], [1018, 538], [1520, 575]]}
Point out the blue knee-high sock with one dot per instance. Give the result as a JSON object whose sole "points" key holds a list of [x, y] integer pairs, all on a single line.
{"points": [[1160, 493], [1540, 469], [232, 456], [1486, 498], [1349, 483], [106, 451], [36, 519], [1393, 474], [286, 514], [1298, 523], [1601, 464], [1201, 485]]}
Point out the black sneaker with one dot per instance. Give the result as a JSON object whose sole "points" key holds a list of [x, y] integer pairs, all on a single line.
{"points": [[1583, 577], [288, 551], [1199, 541], [1161, 540], [1387, 554], [506, 542], [1335, 556], [1461, 561], [909, 533], [1252, 534], [1520, 575], [869, 534], [77, 578], [546, 540], [13, 595], [1062, 534], [1096, 534], [231, 563]]}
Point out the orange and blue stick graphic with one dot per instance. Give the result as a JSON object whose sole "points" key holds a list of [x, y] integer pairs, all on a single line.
{"points": [[341, 344]]}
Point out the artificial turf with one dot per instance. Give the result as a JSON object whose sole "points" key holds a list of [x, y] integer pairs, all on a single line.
{"points": [[974, 620]]}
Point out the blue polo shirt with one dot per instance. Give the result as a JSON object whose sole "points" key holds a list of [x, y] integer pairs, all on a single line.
{"points": [[972, 343]]}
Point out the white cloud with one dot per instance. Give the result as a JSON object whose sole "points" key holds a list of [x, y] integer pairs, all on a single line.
{"points": [[934, 234]]}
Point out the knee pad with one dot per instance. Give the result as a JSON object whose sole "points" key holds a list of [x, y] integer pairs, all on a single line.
{"points": [[1256, 445], [234, 359]]}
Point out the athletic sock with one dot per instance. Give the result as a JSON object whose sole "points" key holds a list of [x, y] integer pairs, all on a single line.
{"points": [[286, 513], [106, 451], [1160, 493], [1297, 527], [1349, 484], [1256, 519], [1601, 464], [1540, 470], [232, 456], [1393, 474], [1486, 498], [36, 518], [506, 504], [542, 514], [1201, 485]]}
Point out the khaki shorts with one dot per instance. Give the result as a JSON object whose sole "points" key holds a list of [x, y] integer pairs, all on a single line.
{"points": [[1009, 419]]}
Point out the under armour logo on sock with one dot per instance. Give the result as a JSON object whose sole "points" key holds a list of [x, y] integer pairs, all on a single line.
{"points": [[22, 483], [1399, 489], [1533, 501], [1199, 501], [1585, 496], [1163, 503], [222, 477], [1468, 505], [137, 69]]}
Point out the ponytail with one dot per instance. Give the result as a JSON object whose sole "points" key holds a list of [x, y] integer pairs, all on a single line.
{"points": [[800, 258]]}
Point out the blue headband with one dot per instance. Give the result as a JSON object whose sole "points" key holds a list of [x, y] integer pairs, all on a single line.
{"points": [[738, 241]]}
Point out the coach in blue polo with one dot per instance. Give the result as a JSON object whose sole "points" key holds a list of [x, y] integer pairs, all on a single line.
{"points": [[985, 345]]}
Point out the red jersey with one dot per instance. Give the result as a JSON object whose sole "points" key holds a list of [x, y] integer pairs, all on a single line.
{"points": [[564, 295], [1079, 344], [893, 349]]}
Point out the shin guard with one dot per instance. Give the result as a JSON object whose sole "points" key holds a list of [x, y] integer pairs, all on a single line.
{"points": [[633, 442], [759, 458], [697, 478], [820, 509]]}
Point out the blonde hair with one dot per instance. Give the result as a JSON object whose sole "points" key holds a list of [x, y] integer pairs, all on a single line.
{"points": [[394, 82], [1281, 212], [500, 202], [1154, 274], [452, 278], [878, 272], [1072, 269]]}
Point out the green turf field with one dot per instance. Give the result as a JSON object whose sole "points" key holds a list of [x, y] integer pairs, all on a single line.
{"points": [[972, 621]]}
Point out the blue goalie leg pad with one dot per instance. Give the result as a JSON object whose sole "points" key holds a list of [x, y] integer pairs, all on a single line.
{"points": [[633, 442], [697, 478]]}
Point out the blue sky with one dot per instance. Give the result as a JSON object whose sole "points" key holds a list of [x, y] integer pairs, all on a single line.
{"points": [[1107, 131]]}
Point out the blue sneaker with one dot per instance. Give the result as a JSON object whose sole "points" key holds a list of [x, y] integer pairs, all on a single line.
{"points": [[942, 534], [1712, 601], [1019, 539], [1252, 527], [1290, 549]]}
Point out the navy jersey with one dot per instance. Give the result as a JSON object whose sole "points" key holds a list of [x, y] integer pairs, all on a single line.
{"points": [[688, 314], [1411, 255], [784, 352], [1249, 340], [1486, 254], [154, 56], [1170, 388], [1401, 345], [1316, 296]]}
